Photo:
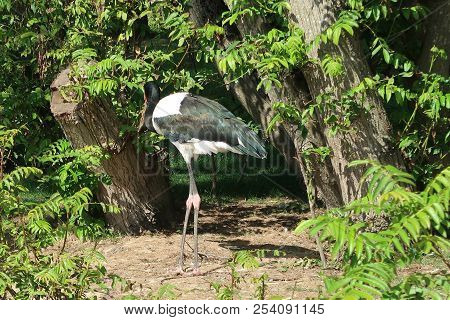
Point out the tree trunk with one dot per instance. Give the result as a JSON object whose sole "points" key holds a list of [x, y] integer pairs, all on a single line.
{"points": [[437, 34], [139, 190], [370, 135], [287, 137], [294, 92]]}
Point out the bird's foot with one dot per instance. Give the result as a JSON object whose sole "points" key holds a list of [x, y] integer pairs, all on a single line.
{"points": [[196, 272], [180, 271]]}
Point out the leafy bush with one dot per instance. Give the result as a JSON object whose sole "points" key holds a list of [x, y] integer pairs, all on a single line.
{"points": [[33, 261], [417, 225]]}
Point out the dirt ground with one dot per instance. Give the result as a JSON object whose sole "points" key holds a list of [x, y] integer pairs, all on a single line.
{"points": [[149, 261]]}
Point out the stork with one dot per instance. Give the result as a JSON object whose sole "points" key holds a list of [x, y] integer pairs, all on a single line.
{"points": [[196, 126]]}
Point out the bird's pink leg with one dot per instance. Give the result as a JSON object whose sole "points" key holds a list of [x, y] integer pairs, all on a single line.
{"points": [[196, 205], [183, 237], [192, 201]]}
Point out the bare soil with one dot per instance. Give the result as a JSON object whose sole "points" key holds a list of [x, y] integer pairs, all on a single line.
{"points": [[150, 261]]}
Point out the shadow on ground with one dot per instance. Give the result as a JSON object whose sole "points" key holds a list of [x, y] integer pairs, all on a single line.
{"points": [[285, 251], [239, 219]]}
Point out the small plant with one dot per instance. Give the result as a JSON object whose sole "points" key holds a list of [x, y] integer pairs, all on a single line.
{"points": [[165, 292], [245, 259], [229, 292], [261, 286], [307, 263], [223, 292]]}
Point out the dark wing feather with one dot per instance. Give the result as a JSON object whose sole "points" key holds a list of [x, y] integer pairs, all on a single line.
{"points": [[208, 120]]}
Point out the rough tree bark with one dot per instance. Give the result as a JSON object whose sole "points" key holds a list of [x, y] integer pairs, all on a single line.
{"points": [[370, 137], [141, 196], [437, 34]]}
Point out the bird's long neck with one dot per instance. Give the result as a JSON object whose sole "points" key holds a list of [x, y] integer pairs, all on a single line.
{"points": [[148, 115], [151, 104]]}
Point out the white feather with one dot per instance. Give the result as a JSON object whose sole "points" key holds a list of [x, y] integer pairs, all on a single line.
{"points": [[194, 147], [169, 105], [186, 150]]}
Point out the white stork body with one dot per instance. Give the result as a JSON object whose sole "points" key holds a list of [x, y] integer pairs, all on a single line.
{"points": [[196, 125]]}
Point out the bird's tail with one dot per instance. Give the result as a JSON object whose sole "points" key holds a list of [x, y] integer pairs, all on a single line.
{"points": [[250, 143]]}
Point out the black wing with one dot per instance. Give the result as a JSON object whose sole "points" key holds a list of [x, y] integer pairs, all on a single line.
{"points": [[208, 120]]}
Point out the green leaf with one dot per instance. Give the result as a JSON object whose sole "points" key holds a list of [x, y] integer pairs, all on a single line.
{"points": [[359, 247], [386, 55], [398, 246], [306, 224], [404, 236], [348, 28], [336, 35]]}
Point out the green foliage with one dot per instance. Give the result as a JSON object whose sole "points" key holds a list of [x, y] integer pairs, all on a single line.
{"points": [[421, 286], [7, 137], [247, 260], [165, 292], [270, 54], [332, 66], [113, 47], [261, 286], [240, 9], [151, 142], [416, 99], [417, 225], [286, 113], [347, 21], [74, 168], [33, 261]]}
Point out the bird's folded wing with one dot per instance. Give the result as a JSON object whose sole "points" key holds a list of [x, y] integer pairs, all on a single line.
{"points": [[203, 119]]}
